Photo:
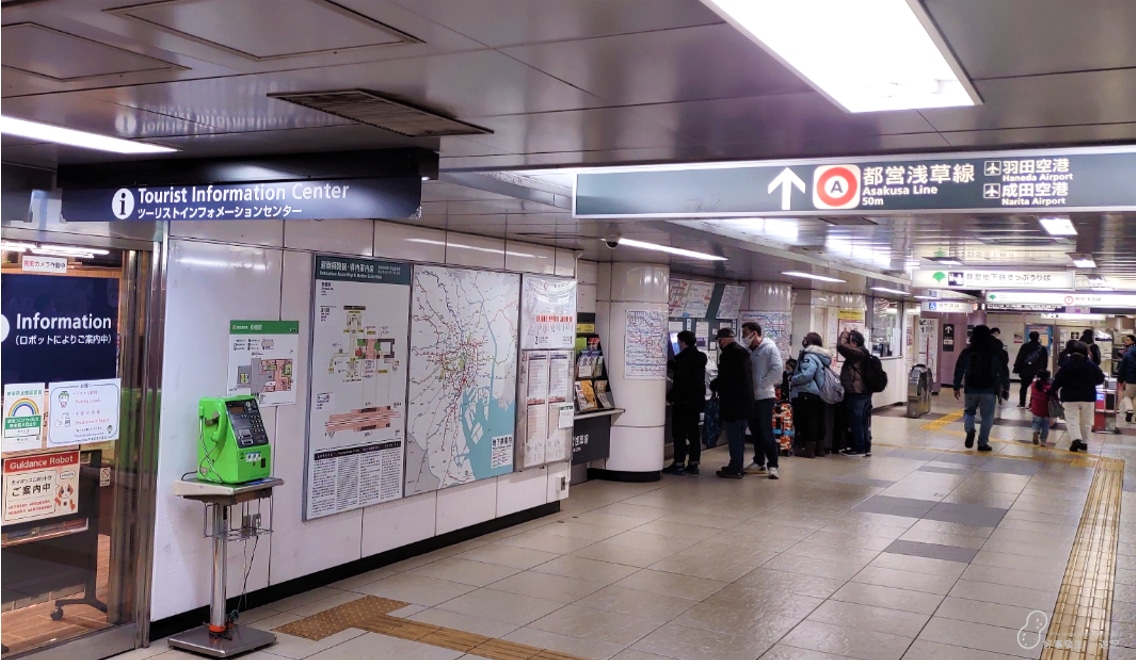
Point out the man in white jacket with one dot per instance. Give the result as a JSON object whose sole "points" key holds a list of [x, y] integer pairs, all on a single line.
{"points": [[767, 364]]}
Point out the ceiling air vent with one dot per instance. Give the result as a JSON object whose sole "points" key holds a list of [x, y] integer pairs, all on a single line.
{"points": [[369, 108], [847, 221]]}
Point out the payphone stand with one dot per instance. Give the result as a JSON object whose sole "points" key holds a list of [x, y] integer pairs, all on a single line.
{"points": [[222, 637]]}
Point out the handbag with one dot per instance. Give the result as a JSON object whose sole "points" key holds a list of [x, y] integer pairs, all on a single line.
{"points": [[1055, 408], [711, 422]]}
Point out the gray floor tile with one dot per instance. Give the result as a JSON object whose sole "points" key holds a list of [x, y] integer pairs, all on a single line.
{"points": [[861, 480], [944, 470], [933, 551], [895, 506], [1010, 466], [967, 514]]}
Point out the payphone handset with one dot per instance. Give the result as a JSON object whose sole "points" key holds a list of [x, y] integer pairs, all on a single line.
{"points": [[233, 446]]}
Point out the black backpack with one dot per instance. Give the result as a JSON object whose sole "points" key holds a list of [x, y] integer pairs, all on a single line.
{"points": [[980, 371], [875, 378]]}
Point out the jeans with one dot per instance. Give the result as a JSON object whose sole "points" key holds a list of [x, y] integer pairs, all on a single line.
{"points": [[1079, 419], [736, 440], [761, 429], [1040, 426], [985, 404], [685, 434], [859, 410], [808, 418]]}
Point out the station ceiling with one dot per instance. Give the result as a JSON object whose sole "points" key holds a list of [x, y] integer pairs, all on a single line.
{"points": [[569, 83]]}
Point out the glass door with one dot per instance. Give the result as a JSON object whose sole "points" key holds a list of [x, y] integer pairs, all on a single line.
{"points": [[77, 515]]}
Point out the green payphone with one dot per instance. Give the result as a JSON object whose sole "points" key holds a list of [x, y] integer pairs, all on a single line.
{"points": [[234, 447]]}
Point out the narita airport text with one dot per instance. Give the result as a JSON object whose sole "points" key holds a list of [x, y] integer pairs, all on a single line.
{"points": [[258, 193]]}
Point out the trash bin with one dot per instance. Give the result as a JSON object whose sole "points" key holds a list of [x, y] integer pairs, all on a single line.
{"points": [[1105, 412], [918, 391]]}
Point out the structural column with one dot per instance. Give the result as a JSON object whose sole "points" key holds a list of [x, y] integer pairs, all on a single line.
{"points": [[637, 436]]}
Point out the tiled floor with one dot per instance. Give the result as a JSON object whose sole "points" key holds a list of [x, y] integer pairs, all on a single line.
{"points": [[923, 551]]}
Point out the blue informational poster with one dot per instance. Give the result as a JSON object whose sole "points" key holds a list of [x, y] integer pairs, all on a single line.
{"points": [[57, 329]]}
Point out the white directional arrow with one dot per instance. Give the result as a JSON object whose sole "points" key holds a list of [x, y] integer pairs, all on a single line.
{"points": [[786, 180]]}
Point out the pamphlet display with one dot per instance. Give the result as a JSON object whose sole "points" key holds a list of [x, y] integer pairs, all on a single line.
{"points": [[356, 415], [261, 360]]}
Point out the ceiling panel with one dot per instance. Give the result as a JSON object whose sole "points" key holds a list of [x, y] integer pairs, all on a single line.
{"points": [[285, 28], [88, 114], [1047, 36], [57, 55], [708, 62], [526, 21], [578, 130], [1094, 133], [1097, 97]]}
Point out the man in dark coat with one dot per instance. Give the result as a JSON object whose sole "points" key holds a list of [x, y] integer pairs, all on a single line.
{"points": [[688, 399], [1032, 358], [734, 386]]}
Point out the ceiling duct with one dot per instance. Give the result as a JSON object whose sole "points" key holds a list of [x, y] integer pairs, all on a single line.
{"points": [[365, 107]]}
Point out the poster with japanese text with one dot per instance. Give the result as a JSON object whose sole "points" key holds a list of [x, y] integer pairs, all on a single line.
{"points": [[80, 412], [23, 416], [548, 312], [41, 486], [261, 360]]}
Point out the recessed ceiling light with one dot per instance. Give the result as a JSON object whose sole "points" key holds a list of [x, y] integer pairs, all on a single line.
{"points": [[34, 130], [1058, 226], [946, 261], [810, 276], [627, 242], [903, 61], [1083, 260], [884, 289], [475, 248], [926, 298]]}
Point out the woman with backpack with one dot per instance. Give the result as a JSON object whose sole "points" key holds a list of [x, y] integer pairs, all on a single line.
{"points": [[1040, 404], [808, 407]]}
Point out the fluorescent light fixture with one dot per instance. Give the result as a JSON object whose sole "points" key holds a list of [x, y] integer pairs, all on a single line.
{"points": [[1058, 226], [926, 298], [220, 263], [34, 130], [642, 245], [946, 261], [475, 248], [68, 251], [9, 246], [1083, 260], [865, 56], [887, 290], [810, 276]]}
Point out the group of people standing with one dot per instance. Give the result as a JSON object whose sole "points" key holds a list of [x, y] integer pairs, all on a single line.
{"points": [[749, 374], [982, 374]]}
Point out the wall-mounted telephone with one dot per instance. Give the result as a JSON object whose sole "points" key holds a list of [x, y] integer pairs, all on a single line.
{"points": [[233, 447]]}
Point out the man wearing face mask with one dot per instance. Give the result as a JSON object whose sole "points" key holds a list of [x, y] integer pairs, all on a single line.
{"points": [[766, 362]]}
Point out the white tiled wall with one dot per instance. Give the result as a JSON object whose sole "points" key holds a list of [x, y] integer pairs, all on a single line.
{"points": [[222, 271]]}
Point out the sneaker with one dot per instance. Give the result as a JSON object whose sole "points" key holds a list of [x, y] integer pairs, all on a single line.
{"points": [[969, 439], [850, 452], [674, 468], [726, 473], [754, 468], [867, 454], [1128, 416], [985, 448], [692, 468], [1037, 437], [774, 474], [1078, 446]]}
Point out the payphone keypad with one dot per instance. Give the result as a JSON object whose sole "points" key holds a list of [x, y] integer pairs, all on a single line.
{"points": [[247, 424]]}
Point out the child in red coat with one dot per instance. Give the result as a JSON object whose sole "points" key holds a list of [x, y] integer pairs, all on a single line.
{"points": [[1039, 406]]}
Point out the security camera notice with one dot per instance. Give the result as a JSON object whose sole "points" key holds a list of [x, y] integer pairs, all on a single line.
{"points": [[41, 486]]}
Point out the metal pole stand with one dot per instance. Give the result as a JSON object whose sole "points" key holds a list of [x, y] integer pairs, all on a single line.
{"points": [[222, 637]]}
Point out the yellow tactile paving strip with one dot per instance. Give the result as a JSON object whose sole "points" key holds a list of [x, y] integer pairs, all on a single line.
{"points": [[949, 418], [373, 615], [1080, 624]]}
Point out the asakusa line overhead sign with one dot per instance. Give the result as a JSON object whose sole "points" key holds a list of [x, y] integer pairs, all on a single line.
{"points": [[966, 278], [1055, 180], [393, 198], [1057, 298]]}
